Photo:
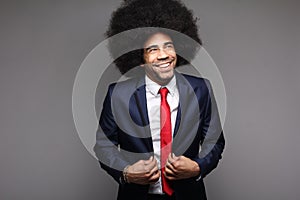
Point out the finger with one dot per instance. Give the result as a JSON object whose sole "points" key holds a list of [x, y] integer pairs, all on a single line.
{"points": [[155, 177], [175, 161], [170, 159], [150, 162], [174, 156], [146, 162], [154, 170], [154, 160], [170, 169], [169, 174], [152, 176], [151, 166]]}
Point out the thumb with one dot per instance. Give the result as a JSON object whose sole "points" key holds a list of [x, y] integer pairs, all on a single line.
{"points": [[174, 156], [149, 160]]}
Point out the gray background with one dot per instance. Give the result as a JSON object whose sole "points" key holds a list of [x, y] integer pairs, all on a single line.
{"points": [[255, 44]]}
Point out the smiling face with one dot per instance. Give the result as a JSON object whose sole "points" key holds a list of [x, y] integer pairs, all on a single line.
{"points": [[160, 58]]}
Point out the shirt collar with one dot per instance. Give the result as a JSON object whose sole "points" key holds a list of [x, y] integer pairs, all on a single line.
{"points": [[153, 87]]}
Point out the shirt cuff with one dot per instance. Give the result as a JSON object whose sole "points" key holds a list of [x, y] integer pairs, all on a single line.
{"points": [[199, 178]]}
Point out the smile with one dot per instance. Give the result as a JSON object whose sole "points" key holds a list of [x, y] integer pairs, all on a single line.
{"points": [[163, 65]]}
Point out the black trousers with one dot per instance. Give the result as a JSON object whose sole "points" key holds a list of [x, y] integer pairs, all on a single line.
{"points": [[160, 197]]}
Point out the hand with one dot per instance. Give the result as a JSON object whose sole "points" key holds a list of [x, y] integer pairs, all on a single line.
{"points": [[143, 172], [181, 168]]}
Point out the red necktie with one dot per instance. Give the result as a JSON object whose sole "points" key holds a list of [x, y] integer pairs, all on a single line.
{"points": [[165, 137]]}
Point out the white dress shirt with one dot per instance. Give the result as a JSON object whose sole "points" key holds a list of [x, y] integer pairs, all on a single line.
{"points": [[153, 106]]}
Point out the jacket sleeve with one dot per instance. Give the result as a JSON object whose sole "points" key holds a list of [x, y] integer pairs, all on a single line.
{"points": [[213, 142], [107, 144]]}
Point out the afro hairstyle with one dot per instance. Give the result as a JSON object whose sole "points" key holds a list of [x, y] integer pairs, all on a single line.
{"points": [[166, 14]]}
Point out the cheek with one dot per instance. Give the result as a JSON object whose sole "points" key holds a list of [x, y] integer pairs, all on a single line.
{"points": [[173, 54], [150, 59]]}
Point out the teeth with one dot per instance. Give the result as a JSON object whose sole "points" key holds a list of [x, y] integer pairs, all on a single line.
{"points": [[162, 65], [165, 65]]}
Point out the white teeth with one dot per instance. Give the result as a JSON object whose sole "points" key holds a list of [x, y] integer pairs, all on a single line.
{"points": [[163, 65]]}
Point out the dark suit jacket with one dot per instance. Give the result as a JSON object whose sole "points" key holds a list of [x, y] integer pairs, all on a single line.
{"points": [[124, 135]]}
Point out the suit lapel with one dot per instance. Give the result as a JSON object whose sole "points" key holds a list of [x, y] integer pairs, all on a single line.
{"points": [[183, 89], [187, 121], [141, 103]]}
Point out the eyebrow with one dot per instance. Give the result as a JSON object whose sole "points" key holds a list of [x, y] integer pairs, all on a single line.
{"points": [[155, 45]]}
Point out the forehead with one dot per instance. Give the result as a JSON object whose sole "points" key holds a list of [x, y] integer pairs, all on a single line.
{"points": [[157, 39]]}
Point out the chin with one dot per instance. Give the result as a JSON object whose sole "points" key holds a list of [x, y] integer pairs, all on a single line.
{"points": [[167, 78]]}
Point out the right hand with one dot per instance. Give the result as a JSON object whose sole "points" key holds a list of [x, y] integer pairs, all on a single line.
{"points": [[143, 172]]}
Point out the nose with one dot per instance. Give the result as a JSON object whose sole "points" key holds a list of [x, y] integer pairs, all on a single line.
{"points": [[162, 54]]}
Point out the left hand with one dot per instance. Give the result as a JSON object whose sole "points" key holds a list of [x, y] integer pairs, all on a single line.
{"points": [[181, 167]]}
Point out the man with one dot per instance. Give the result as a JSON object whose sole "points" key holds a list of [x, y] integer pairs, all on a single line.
{"points": [[159, 133]]}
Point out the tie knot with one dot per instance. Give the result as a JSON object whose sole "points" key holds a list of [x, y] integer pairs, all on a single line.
{"points": [[163, 92]]}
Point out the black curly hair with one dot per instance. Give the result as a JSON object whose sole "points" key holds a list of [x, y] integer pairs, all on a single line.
{"points": [[167, 14]]}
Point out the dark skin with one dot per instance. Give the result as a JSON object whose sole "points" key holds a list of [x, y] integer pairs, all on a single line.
{"points": [[147, 171]]}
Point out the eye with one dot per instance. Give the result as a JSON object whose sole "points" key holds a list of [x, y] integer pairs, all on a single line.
{"points": [[169, 46], [152, 50]]}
